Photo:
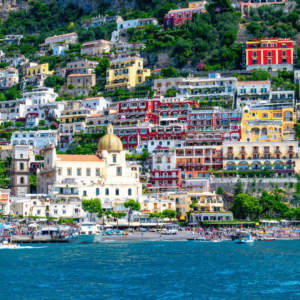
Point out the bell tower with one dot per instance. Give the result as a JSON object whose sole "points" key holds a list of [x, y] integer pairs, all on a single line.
{"points": [[22, 155]]}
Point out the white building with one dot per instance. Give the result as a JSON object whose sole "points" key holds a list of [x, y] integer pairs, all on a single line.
{"points": [[69, 38], [97, 103], [100, 21], [68, 210], [13, 38], [37, 139], [41, 95], [134, 23], [31, 205], [59, 49], [4, 202], [296, 76], [15, 60], [154, 144], [104, 176], [252, 93], [8, 78]]}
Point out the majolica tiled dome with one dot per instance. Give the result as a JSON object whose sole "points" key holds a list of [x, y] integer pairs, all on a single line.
{"points": [[110, 141]]}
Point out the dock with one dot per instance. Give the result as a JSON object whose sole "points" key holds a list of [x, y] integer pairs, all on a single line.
{"points": [[27, 239]]}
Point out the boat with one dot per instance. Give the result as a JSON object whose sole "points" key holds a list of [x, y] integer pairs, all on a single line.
{"points": [[6, 245], [244, 238], [215, 240], [267, 239], [87, 232]]}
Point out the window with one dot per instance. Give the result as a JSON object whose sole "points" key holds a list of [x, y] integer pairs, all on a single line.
{"points": [[21, 155], [117, 192], [243, 91], [88, 172], [55, 212], [69, 171], [129, 192], [21, 166], [59, 171], [78, 171], [64, 212], [114, 158], [269, 53], [22, 180], [106, 192], [119, 171], [284, 53], [253, 90], [97, 172], [97, 192], [84, 193]]}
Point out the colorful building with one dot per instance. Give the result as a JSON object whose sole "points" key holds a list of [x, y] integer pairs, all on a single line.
{"points": [[256, 3], [270, 54], [268, 125], [279, 159], [195, 161], [213, 126], [125, 73], [177, 17], [39, 69]]}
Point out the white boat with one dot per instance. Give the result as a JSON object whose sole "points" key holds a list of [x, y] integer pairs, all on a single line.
{"points": [[244, 238], [87, 233], [216, 240], [6, 245]]}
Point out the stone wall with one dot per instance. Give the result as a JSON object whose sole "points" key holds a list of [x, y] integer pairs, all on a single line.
{"points": [[11, 5], [90, 5]]}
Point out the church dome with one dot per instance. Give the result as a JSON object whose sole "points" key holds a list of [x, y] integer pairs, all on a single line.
{"points": [[110, 141]]}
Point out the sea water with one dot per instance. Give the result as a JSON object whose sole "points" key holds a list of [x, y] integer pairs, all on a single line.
{"points": [[152, 270]]}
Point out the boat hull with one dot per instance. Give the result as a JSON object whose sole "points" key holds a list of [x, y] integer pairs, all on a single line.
{"points": [[85, 239], [244, 241]]}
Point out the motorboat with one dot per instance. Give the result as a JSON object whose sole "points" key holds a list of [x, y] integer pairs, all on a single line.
{"points": [[215, 240], [266, 239], [6, 245], [244, 238], [87, 232]]}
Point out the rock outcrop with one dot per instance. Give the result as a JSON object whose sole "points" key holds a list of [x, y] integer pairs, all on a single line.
{"points": [[11, 5], [90, 5]]}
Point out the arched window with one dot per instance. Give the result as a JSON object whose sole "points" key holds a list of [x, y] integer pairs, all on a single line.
{"points": [[129, 192], [21, 166], [114, 158], [22, 180], [21, 155], [139, 79], [117, 192], [97, 192], [106, 192]]}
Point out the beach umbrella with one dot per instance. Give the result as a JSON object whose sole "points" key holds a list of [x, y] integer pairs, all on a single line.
{"points": [[166, 219]]}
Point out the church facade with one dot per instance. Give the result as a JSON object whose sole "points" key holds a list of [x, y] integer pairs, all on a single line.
{"points": [[104, 176]]}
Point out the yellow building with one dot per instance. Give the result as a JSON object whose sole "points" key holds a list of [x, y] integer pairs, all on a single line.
{"points": [[39, 69], [125, 73], [279, 159], [268, 125]]}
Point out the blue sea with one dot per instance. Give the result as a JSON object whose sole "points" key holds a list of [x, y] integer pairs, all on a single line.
{"points": [[152, 270]]}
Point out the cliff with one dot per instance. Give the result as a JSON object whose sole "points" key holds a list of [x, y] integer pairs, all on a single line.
{"points": [[11, 5], [90, 5]]}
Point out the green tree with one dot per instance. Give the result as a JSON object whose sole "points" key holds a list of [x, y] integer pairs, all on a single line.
{"points": [[71, 86], [92, 206], [238, 188], [260, 74], [19, 124], [229, 37], [246, 206], [220, 191], [132, 206], [296, 200], [157, 216], [169, 213], [170, 72], [32, 180], [42, 122], [118, 215], [9, 124], [103, 65]]}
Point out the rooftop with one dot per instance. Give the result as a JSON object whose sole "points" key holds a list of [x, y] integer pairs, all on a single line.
{"points": [[82, 158], [253, 82]]}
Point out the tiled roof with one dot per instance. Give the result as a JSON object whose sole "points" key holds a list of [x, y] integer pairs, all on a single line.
{"points": [[77, 74], [68, 157], [66, 34], [253, 82]]}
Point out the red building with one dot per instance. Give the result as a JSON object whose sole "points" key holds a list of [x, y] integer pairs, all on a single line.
{"points": [[139, 109], [177, 17], [131, 136], [164, 180], [212, 127], [269, 54]]}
